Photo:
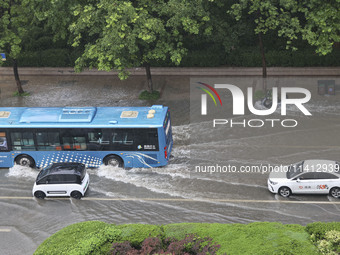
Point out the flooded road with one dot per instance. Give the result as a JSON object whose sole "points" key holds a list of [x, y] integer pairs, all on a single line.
{"points": [[176, 192]]}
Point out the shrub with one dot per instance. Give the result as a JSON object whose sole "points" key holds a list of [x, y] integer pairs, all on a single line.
{"points": [[191, 244], [137, 233], [79, 239], [17, 94], [317, 230], [146, 95], [331, 244], [254, 238]]}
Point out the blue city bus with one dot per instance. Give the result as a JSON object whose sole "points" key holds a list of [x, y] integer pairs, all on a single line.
{"points": [[117, 136]]}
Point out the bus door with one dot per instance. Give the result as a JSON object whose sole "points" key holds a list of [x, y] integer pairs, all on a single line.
{"points": [[5, 155], [168, 135]]}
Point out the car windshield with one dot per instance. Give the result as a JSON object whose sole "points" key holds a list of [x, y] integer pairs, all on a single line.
{"points": [[295, 170], [44, 172]]}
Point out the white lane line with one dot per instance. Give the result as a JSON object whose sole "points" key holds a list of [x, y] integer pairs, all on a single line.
{"points": [[182, 200], [5, 230]]}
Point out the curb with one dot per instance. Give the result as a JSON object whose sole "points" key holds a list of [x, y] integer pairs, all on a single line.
{"points": [[181, 71]]}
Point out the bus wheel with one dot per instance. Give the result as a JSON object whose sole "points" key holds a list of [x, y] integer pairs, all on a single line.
{"points": [[25, 160], [114, 161]]}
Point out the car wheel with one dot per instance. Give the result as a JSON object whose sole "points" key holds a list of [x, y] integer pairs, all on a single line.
{"points": [[335, 192], [25, 160], [114, 161], [285, 191], [39, 194], [76, 194]]}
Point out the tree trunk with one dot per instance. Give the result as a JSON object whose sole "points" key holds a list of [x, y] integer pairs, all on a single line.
{"points": [[148, 76], [264, 64], [17, 78]]}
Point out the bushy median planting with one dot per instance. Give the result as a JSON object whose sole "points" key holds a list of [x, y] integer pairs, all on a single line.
{"points": [[255, 238], [326, 236]]}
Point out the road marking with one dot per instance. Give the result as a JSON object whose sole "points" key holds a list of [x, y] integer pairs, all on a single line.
{"points": [[182, 200], [301, 146], [5, 230]]}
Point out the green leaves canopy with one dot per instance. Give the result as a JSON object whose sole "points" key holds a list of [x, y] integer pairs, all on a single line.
{"points": [[317, 22], [15, 19], [122, 34]]}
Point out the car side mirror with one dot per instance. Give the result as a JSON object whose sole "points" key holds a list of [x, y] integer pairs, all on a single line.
{"points": [[298, 180]]}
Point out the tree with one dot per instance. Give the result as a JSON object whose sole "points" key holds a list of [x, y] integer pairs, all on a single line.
{"points": [[125, 34], [317, 22], [15, 20]]}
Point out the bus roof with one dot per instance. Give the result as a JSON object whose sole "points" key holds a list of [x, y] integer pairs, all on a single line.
{"points": [[77, 117]]}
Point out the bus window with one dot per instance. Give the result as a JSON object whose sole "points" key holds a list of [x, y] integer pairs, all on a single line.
{"points": [[3, 142], [74, 143], [123, 139], [67, 143], [98, 137], [79, 143], [147, 139], [22, 141], [98, 140], [48, 141]]}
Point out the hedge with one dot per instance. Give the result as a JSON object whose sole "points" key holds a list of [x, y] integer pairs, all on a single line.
{"points": [[205, 57], [253, 238], [318, 229], [80, 239], [96, 237]]}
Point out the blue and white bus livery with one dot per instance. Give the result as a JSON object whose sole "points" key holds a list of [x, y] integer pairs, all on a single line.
{"points": [[118, 136]]}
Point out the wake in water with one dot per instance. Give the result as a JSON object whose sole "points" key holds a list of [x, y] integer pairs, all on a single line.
{"points": [[22, 172]]}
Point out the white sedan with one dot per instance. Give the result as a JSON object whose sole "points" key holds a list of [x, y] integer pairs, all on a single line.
{"points": [[306, 177]]}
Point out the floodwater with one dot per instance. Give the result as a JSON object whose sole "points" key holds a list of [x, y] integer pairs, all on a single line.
{"points": [[176, 192]]}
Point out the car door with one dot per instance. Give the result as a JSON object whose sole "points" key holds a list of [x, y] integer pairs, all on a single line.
{"points": [[56, 185], [324, 182], [304, 183]]}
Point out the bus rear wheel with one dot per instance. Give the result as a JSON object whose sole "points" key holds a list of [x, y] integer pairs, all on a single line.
{"points": [[25, 160], [114, 161]]}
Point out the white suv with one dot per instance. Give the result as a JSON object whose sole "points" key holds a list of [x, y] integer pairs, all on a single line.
{"points": [[307, 177], [62, 179]]}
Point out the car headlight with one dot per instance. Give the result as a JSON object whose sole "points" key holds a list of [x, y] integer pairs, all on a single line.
{"points": [[272, 183]]}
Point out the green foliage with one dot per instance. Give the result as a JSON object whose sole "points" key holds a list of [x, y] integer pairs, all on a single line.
{"points": [[56, 15], [15, 23], [146, 95], [254, 238], [17, 94], [317, 230], [123, 34], [137, 233], [79, 239], [317, 22], [331, 244]]}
